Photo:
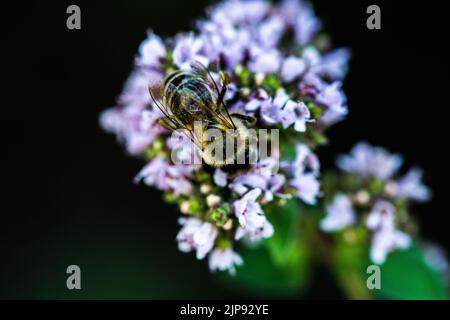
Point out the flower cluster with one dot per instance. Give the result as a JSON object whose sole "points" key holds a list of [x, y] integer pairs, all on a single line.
{"points": [[375, 198], [284, 74]]}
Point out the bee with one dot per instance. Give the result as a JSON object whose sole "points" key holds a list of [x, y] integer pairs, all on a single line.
{"points": [[191, 100]]}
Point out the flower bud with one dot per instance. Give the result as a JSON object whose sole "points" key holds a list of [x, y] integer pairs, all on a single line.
{"points": [[212, 200]]}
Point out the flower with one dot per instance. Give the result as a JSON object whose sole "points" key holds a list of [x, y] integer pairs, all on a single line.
{"points": [[239, 12], [382, 216], [151, 51], [411, 187], [134, 124], [300, 16], [292, 68], [340, 214], [385, 241], [256, 100], [277, 75], [369, 180], [307, 187], [386, 237], [334, 64], [188, 48], [304, 171], [365, 160], [249, 212], [284, 110], [296, 114], [220, 178], [333, 97], [264, 61], [263, 232], [263, 177], [161, 174], [224, 260], [436, 257], [270, 31], [196, 235], [305, 160]]}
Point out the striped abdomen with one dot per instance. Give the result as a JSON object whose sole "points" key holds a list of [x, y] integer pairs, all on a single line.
{"points": [[188, 97]]}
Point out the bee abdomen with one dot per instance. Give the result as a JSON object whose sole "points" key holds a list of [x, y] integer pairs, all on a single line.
{"points": [[187, 96]]}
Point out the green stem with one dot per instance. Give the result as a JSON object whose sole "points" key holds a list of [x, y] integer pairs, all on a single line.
{"points": [[325, 252]]}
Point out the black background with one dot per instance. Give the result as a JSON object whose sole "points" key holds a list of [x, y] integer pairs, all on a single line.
{"points": [[67, 192]]}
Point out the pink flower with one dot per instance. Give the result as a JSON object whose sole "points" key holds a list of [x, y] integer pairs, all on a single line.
{"points": [[334, 64], [196, 235], [189, 48], [292, 68], [340, 214], [386, 237], [301, 17], [296, 114], [262, 176], [411, 187], [220, 178], [335, 100], [382, 216], [224, 260], [265, 231], [264, 61], [365, 160], [159, 173], [305, 160], [151, 51], [249, 212], [308, 187], [385, 241]]}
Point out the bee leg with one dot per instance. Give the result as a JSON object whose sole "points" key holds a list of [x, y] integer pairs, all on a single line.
{"points": [[224, 79], [166, 124], [251, 121]]}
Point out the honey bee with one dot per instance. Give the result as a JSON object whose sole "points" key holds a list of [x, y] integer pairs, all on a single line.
{"points": [[191, 100]]}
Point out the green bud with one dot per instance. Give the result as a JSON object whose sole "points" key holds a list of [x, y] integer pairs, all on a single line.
{"points": [[202, 176], [156, 149], [195, 205], [376, 186], [238, 69], [224, 243], [220, 215], [271, 84], [191, 206], [318, 137], [316, 112], [169, 197], [245, 77], [205, 188]]}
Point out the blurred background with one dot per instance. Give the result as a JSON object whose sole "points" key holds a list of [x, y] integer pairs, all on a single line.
{"points": [[68, 196]]}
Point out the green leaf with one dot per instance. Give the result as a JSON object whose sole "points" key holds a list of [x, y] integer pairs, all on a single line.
{"points": [[260, 277], [280, 266], [284, 245], [406, 275]]}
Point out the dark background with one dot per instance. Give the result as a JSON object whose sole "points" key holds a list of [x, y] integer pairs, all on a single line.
{"points": [[68, 196]]}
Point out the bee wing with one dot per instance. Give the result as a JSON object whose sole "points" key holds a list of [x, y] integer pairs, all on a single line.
{"points": [[200, 70], [221, 114], [156, 91]]}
